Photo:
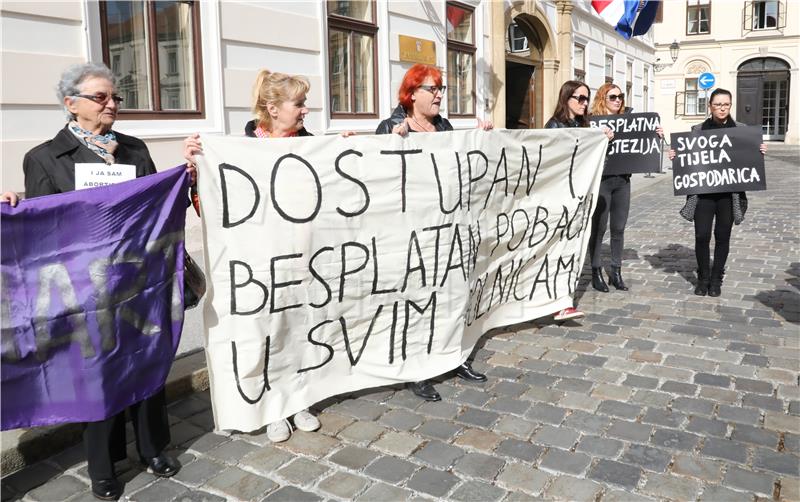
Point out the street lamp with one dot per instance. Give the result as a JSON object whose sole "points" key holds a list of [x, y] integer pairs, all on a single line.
{"points": [[674, 48]]}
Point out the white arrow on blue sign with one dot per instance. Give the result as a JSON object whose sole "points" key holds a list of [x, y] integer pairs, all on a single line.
{"points": [[706, 80]]}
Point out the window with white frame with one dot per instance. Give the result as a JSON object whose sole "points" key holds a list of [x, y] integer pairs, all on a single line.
{"points": [[629, 81], [352, 52], [765, 14], [645, 88], [153, 49], [579, 58], [460, 59], [695, 100], [698, 17], [517, 41], [609, 68]]}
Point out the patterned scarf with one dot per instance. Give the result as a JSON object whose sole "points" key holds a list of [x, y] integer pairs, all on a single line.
{"points": [[103, 145], [263, 133]]}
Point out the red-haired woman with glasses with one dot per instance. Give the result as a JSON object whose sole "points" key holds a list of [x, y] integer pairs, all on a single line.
{"points": [[614, 201], [420, 97], [571, 111]]}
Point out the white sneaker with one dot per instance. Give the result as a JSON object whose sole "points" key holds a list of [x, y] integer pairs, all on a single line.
{"points": [[279, 431], [305, 421]]}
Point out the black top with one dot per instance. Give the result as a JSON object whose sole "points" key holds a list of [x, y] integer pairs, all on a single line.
{"points": [[399, 115], [710, 123], [50, 167], [555, 124], [250, 130]]}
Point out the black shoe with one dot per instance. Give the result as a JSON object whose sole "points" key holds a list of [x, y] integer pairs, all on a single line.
{"points": [[107, 489], [702, 287], [714, 290], [161, 466], [616, 279], [466, 372], [598, 282], [425, 390]]}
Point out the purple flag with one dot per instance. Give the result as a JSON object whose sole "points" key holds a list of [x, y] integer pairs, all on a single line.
{"points": [[92, 299]]}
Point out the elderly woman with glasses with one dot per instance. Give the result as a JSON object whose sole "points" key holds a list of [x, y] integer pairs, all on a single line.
{"points": [[89, 95], [726, 208], [614, 201], [420, 96]]}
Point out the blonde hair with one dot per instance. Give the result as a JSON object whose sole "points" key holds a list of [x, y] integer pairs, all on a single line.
{"points": [[275, 88], [599, 104]]}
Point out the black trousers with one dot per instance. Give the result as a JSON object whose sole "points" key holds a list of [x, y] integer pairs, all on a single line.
{"points": [[105, 440], [709, 207], [614, 203]]}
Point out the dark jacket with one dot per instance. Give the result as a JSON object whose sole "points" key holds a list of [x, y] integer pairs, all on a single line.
{"points": [[50, 167], [555, 124], [250, 130], [399, 115], [709, 123]]}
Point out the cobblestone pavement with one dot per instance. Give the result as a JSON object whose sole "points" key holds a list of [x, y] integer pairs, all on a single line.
{"points": [[656, 395]]}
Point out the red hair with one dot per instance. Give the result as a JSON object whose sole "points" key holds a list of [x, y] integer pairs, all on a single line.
{"points": [[413, 78]]}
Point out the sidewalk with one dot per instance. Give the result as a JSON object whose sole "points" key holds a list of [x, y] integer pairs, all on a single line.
{"points": [[657, 394]]}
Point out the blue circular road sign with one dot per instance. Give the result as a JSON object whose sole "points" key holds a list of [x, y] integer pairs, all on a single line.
{"points": [[706, 80]]}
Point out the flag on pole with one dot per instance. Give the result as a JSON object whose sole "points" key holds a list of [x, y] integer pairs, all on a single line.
{"points": [[623, 15], [647, 14]]}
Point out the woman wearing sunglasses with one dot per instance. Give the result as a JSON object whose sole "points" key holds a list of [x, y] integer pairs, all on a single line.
{"points": [[420, 97], [614, 201], [89, 95], [726, 208], [573, 100]]}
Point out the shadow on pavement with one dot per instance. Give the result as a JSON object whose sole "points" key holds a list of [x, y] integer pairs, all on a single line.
{"points": [[785, 301], [675, 258]]}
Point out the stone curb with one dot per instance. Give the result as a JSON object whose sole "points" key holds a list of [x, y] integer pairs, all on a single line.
{"points": [[23, 447]]}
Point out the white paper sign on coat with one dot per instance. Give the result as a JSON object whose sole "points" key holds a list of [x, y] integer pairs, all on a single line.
{"points": [[97, 174], [337, 264]]}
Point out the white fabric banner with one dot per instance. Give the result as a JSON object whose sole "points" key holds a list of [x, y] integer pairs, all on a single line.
{"points": [[337, 264]]}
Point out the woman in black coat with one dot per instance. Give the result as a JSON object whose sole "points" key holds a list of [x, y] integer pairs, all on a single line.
{"points": [[726, 208], [420, 97], [88, 92], [571, 111]]}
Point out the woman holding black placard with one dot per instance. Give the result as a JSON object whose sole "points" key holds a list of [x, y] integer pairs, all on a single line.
{"points": [[571, 111], [728, 208], [614, 201]]}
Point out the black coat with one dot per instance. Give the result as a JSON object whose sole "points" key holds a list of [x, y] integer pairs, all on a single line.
{"points": [[250, 130], [50, 167], [399, 115], [555, 124]]}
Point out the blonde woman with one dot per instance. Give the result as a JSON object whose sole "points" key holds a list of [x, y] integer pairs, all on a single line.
{"points": [[279, 104], [614, 201]]}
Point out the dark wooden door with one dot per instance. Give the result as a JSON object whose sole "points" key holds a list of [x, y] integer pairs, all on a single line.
{"points": [[748, 99], [520, 96]]}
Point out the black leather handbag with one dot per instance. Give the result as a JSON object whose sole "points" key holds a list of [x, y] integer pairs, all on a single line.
{"points": [[194, 282]]}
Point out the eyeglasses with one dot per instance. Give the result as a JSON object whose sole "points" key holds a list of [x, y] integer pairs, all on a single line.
{"points": [[101, 98], [433, 88], [721, 105], [581, 99], [615, 97]]}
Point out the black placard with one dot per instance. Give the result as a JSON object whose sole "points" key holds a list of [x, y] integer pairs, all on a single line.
{"points": [[636, 147], [718, 161]]}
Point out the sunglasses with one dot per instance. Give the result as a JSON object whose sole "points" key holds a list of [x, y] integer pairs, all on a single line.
{"points": [[580, 99], [614, 97], [101, 98], [434, 88]]}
